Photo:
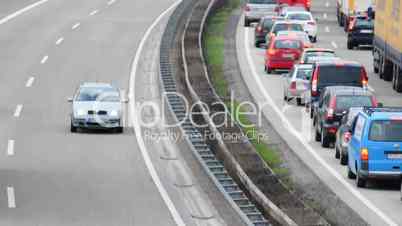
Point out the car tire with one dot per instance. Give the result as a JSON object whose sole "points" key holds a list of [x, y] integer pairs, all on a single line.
{"points": [[351, 175], [317, 136], [299, 101], [257, 45], [73, 129], [311, 113], [360, 182], [343, 160], [337, 153], [314, 39], [325, 142], [268, 70], [350, 45], [285, 98], [376, 69], [246, 23]]}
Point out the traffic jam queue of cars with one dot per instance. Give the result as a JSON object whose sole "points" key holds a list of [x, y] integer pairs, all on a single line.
{"points": [[366, 136]]}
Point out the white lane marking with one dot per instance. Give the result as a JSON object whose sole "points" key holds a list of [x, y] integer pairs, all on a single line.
{"points": [[44, 59], [325, 16], [111, 2], [75, 26], [371, 89], [21, 11], [94, 12], [29, 82], [334, 44], [327, 4], [59, 41], [327, 29], [135, 121], [302, 140], [10, 147], [11, 197], [18, 110]]}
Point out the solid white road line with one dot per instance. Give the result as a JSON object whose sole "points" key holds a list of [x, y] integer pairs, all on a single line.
{"points": [[334, 44], [59, 41], [44, 59], [10, 147], [11, 197], [327, 29], [93, 12], [21, 11], [75, 26], [18, 110], [30, 82], [305, 143], [111, 2], [136, 124]]}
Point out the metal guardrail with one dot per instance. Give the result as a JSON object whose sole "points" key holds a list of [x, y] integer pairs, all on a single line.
{"points": [[214, 167]]}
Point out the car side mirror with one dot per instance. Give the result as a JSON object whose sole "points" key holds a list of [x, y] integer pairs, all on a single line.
{"points": [[70, 99], [380, 105]]}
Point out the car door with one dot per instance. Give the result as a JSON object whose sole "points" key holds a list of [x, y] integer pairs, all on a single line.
{"points": [[322, 109], [355, 143]]}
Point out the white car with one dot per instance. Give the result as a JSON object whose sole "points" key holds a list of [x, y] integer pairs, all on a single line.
{"points": [[308, 21], [297, 82]]}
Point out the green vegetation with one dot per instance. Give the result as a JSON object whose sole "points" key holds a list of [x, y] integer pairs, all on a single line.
{"points": [[214, 50]]}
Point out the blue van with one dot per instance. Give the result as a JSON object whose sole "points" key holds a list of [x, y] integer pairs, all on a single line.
{"points": [[375, 147]]}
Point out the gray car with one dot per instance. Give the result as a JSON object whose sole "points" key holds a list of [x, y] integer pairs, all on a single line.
{"points": [[254, 10], [97, 106], [297, 82]]}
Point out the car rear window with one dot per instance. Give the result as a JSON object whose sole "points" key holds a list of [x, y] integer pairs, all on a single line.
{"points": [[289, 27], [368, 24], [386, 131], [299, 16], [331, 75], [304, 73], [262, 1], [349, 101], [287, 44]]}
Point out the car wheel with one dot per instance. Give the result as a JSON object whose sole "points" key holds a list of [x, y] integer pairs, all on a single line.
{"points": [[317, 134], [324, 139], [314, 40], [285, 98], [350, 45], [376, 69], [311, 113], [343, 159], [351, 175], [360, 182], [257, 44], [269, 70], [246, 23], [337, 154], [73, 129], [299, 101]]}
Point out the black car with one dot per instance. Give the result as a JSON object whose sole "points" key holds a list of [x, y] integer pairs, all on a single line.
{"points": [[263, 27], [361, 32], [343, 135], [333, 104], [334, 73]]}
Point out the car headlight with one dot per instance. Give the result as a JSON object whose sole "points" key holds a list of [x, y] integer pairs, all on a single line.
{"points": [[114, 113], [80, 112]]}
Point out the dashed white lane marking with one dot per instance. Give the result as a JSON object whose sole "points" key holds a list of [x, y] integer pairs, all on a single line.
{"points": [[59, 41], [305, 143], [44, 59], [325, 15], [10, 147], [327, 29], [371, 89], [334, 44], [327, 4], [111, 2], [18, 110], [21, 11], [94, 12], [136, 124], [11, 197], [75, 26], [29, 82]]}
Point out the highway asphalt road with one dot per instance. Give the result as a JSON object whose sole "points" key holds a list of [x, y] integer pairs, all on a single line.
{"points": [[49, 176], [380, 203]]}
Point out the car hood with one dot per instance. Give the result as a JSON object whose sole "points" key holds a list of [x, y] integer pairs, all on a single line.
{"points": [[97, 106]]}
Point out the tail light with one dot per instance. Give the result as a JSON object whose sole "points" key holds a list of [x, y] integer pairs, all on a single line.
{"points": [[311, 23], [346, 137], [314, 82], [364, 154], [351, 25], [374, 101], [331, 109], [364, 77], [271, 52], [308, 4], [247, 8], [259, 29]]}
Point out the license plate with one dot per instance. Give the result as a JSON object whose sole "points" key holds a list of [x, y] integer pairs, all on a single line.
{"points": [[366, 31], [288, 56], [394, 156]]}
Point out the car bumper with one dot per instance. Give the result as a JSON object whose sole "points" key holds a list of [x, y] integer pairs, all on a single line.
{"points": [[96, 124], [280, 64], [388, 175], [361, 40]]}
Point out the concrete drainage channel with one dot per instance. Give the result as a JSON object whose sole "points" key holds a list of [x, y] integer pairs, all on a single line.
{"points": [[214, 167]]}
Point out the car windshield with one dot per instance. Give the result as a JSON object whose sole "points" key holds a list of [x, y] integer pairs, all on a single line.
{"points": [[287, 44], [349, 101], [287, 27], [262, 1], [101, 94], [304, 73], [339, 75], [299, 16], [386, 131]]}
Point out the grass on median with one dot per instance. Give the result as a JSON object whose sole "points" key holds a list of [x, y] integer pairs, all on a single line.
{"points": [[214, 52]]}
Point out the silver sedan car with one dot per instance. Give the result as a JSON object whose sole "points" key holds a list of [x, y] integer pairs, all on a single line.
{"points": [[297, 82], [97, 106]]}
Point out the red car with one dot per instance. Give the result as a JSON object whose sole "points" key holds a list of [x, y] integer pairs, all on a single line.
{"points": [[305, 3], [282, 53]]}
